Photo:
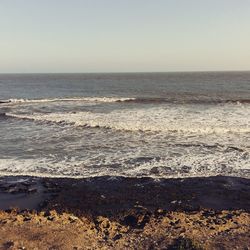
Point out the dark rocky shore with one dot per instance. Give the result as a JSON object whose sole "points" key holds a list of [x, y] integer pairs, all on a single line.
{"points": [[124, 213]]}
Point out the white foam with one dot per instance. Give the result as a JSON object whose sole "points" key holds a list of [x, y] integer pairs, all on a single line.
{"points": [[219, 119], [231, 163], [217, 139], [73, 99]]}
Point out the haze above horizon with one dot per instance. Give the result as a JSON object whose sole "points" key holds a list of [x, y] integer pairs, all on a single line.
{"points": [[124, 36]]}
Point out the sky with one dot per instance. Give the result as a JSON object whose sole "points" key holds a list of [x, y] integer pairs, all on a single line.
{"points": [[46, 36]]}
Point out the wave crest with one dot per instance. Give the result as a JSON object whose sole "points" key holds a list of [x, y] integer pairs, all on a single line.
{"points": [[136, 100], [73, 99], [186, 100], [219, 120]]}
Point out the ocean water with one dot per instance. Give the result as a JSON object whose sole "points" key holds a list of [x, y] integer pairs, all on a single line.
{"points": [[161, 125]]}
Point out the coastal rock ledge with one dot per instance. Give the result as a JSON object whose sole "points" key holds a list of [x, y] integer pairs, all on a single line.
{"points": [[124, 213]]}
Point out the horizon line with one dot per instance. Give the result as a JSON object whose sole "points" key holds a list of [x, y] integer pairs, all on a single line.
{"points": [[125, 72]]}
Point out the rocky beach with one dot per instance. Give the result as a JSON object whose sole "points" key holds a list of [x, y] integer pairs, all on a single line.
{"points": [[124, 213], [125, 125]]}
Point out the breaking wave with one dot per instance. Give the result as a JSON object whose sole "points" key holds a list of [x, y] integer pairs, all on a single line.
{"points": [[231, 163], [219, 119], [73, 99], [186, 100]]}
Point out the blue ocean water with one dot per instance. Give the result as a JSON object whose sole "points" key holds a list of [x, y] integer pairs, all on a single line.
{"points": [[141, 124]]}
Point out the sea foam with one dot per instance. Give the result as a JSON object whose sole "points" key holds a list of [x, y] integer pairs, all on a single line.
{"points": [[219, 119], [72, 99]]}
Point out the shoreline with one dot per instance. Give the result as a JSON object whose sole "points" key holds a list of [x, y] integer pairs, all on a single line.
{"points": [[121, 213], [215, 192]]}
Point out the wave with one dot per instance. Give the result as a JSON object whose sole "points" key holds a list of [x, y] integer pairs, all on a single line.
{"points": [[73, 99], [180, 100], [3, 115], [186, 100], [232, 163], [220, 120]]}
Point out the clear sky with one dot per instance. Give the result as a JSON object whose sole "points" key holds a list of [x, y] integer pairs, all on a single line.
{"points": [[124, 35]]}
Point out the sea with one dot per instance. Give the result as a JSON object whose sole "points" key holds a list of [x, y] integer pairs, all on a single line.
{"points": [[159, 125]]}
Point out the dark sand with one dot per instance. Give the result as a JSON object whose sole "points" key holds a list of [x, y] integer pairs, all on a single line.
{"points": [[124, 213]]}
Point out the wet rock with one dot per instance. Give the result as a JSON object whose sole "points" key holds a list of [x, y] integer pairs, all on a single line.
{"points": [[27, 218], [12, 190], [160, 212], [167, 170], [117, 237], [18, 187], [229, 216], [176, 202], [155, 170], [8, 245], [26, 184], [32, 190], [184, 243], [130, 220], [137, 218], [208, 213], [185, 169]]}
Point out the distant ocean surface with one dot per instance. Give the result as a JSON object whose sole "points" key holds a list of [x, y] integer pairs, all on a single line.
{"points": [[160, 125]]}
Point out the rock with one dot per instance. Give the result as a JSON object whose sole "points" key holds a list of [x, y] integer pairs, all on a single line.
{"points": [[185, 169], [229, 216], [32, 190], [8, 245], [51, 218], [47, 213], [176, 202], [155, 170], [105, 224], [184, 243], [117, 237], [27, 219], [73, 218], [130, 220], [160, 212], [208, 213], [12, 190]]}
